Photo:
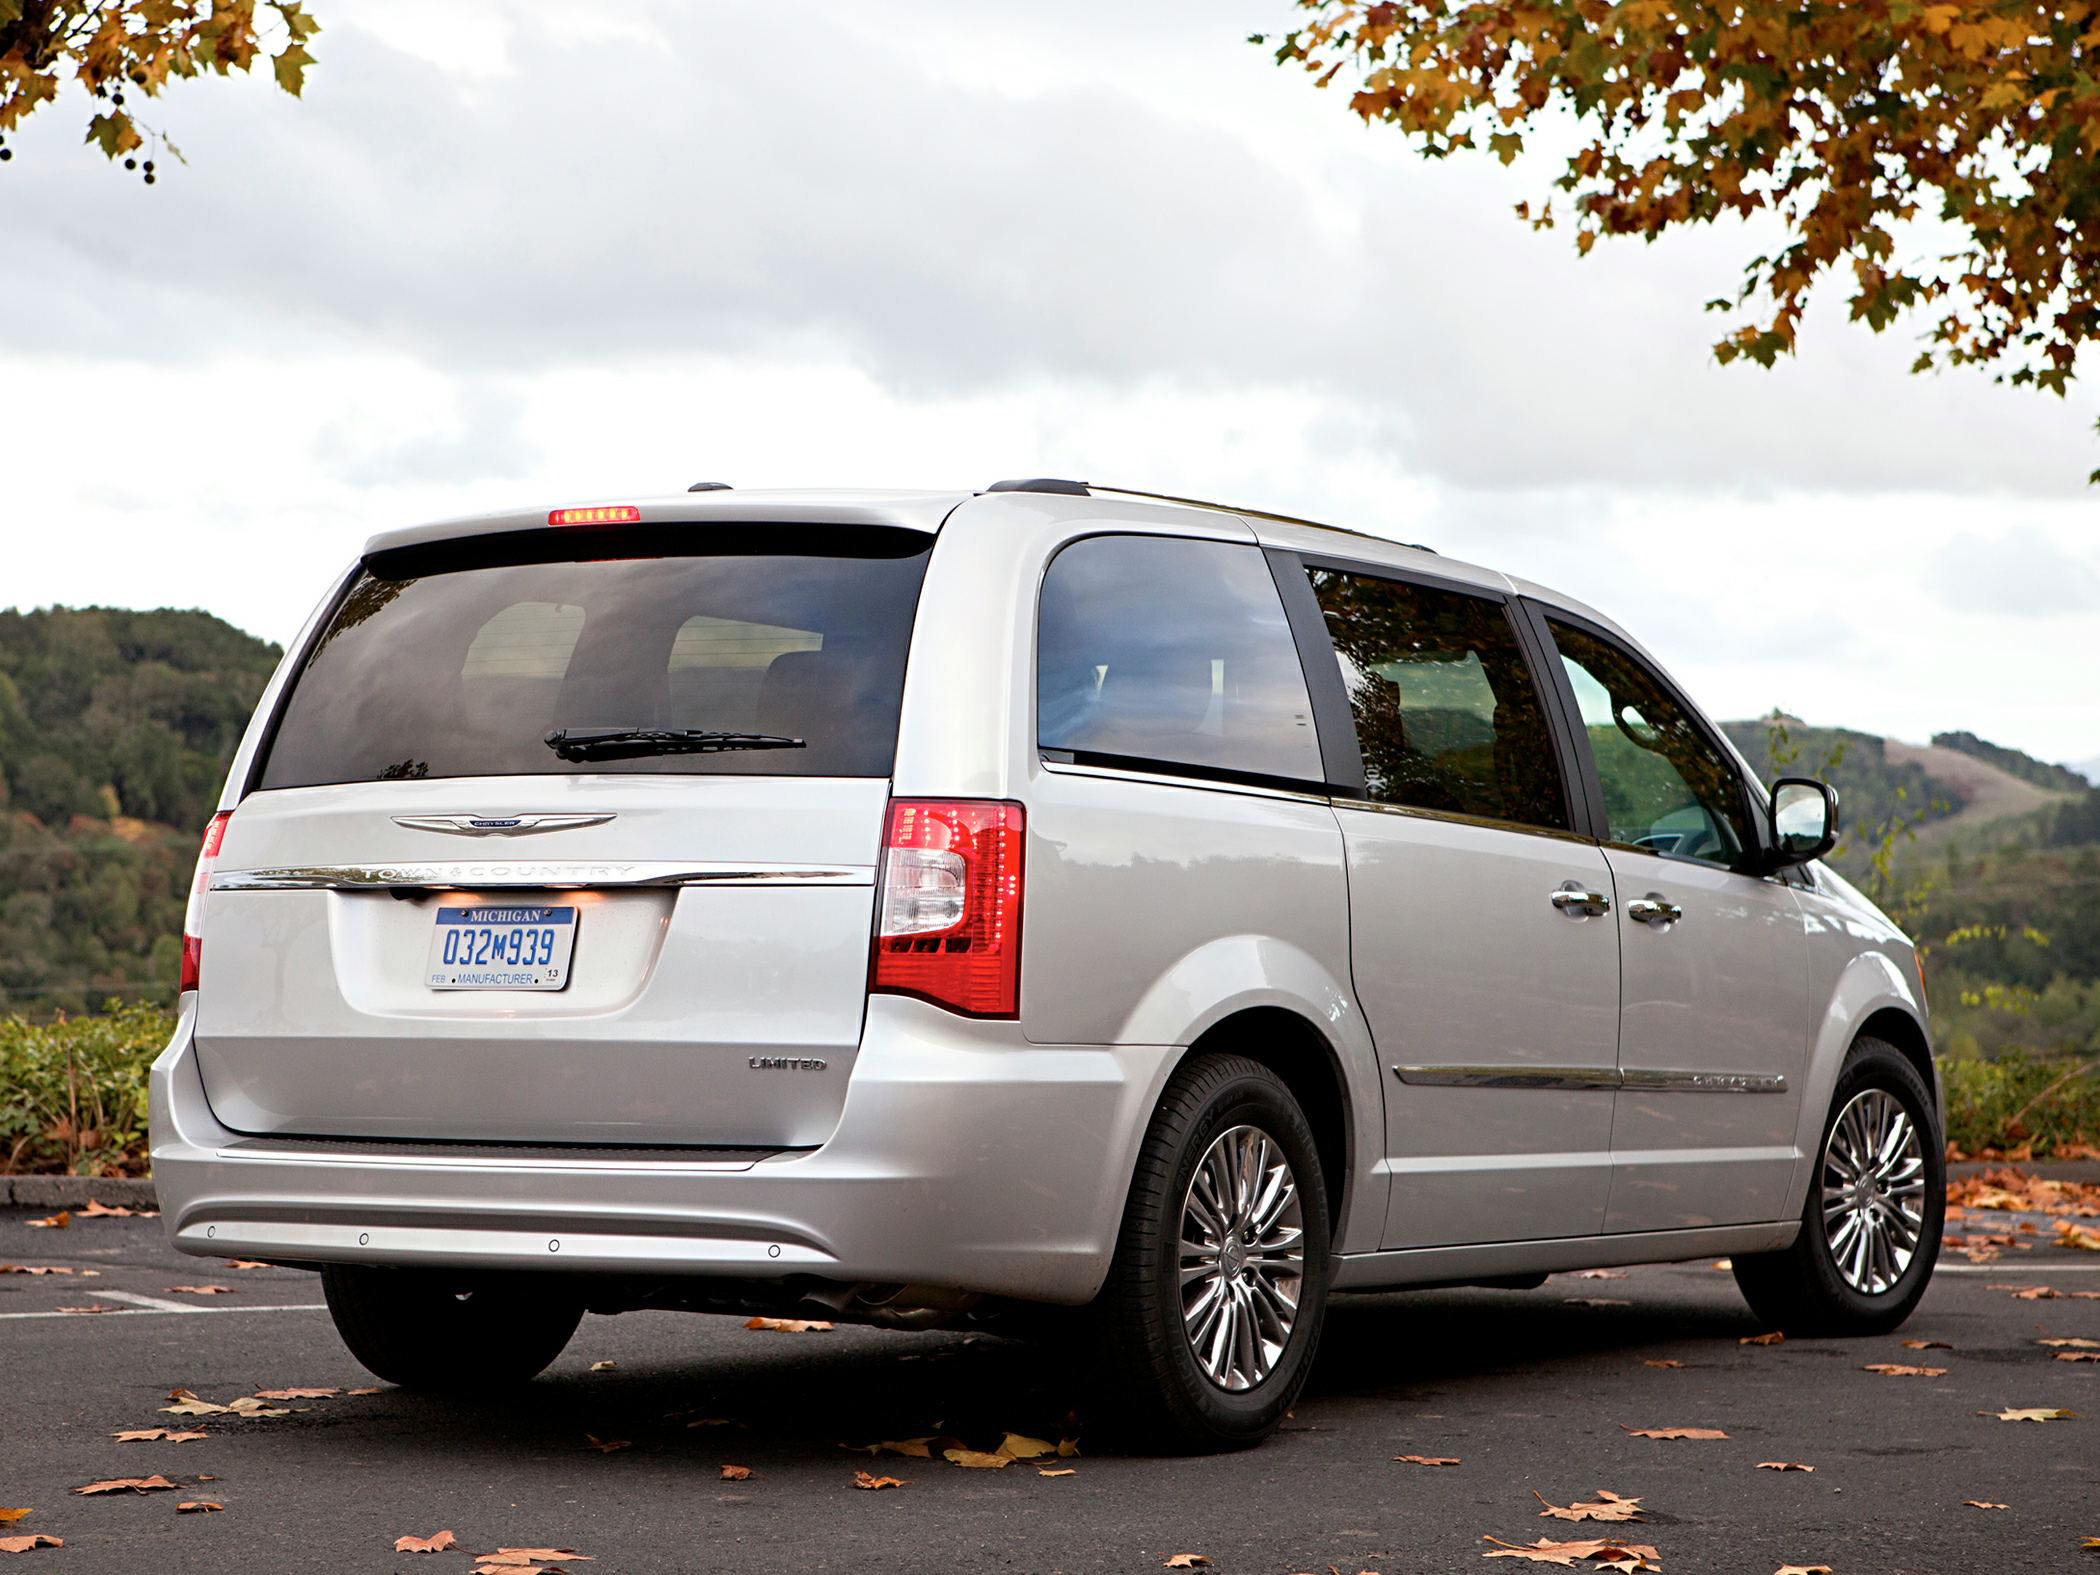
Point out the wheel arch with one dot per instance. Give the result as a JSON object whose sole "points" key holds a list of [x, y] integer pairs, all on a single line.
{"points": [[1903, 1031], [1309, 1065]]}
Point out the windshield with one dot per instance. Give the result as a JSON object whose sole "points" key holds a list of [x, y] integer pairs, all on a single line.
{"points": [[461, 662]]}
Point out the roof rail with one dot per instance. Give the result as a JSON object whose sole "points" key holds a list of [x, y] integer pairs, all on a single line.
{"points": [[1075, 489], [1260, 514]]}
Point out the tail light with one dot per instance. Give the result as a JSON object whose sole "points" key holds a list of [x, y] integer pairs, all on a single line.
{"points": [[193, 917], [948, 913]]}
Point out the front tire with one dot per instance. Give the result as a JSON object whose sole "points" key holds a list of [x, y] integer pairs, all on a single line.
{"points": [[1212, 1309], [425, 1330], [1870, 1232]]}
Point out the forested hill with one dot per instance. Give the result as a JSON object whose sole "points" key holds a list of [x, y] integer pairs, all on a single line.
{"points": [[116, 728], [106, 712]]}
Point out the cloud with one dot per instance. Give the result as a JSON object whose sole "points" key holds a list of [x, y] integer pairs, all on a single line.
{"points": [[2023, 573], [549, 192]]}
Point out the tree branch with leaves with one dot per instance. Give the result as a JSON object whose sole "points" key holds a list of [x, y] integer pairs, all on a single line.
{"points": [[1844, 122], [116, 48]]}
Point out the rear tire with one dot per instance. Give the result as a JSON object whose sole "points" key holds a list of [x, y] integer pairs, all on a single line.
{"points": [[1877, 1202], [425, 1330], [1211, 1313]]}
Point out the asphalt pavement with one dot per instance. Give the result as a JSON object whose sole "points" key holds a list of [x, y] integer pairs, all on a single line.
{"points": [[1531, 1392]]}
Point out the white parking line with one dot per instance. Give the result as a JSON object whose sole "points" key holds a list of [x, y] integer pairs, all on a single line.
{"points": [[2017, 1268], [148, 1301], [165, 1311]]}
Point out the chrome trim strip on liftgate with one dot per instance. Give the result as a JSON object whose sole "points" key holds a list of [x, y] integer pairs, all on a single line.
{"points": [[1637, 1079], [509, 872]]}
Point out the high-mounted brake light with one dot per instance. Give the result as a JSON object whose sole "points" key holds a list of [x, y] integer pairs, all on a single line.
{"points": [[948, 914], [604, 514], [200, 885]]}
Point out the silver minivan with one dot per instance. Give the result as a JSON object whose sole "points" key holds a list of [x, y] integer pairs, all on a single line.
{"points": [[941, 908]]}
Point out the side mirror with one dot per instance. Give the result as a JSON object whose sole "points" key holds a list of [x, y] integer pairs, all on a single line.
{"points": [[1804, 821]]}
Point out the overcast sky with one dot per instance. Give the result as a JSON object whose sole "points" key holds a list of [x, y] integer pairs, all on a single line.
{"points": [[526, 252]]}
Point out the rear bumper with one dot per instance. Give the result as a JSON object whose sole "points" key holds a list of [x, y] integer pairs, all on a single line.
{"points": [[964, 1158]]}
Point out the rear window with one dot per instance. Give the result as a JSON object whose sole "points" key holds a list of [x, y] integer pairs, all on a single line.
{"points": [[460, 660]]}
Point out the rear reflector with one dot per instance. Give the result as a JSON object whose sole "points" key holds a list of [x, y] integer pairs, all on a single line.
{"points": [[948, 914], [200, 885], [604, 514]]}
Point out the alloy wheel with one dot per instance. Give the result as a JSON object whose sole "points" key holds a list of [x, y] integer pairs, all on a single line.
{"points": [[1873, 1192], [1242, 1258]]}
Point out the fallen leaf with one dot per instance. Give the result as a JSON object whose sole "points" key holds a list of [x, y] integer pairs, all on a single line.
{"points": [[1724, 1263], [246, 1263], [862, 1479], [152, 1484], [2078, 1356], [144, 1434], [977, 1461], [1776, 1337], [1066, 1472], [1610, 1553], [1022, 1447], [9, 1516], [1783, 1465], [1430, 1460], [1899, 1370], [25, 1544], [2032, 1293], [1594, 1301], [714, 1421], [197, 1506], [1977, 1503], [913, 1447], [58, 1221], [735, 1473], [1648, 1361], [1184, 1561], [1609, 1506], [1598, 1274], [1068, 1449], [2031, 1414], [504, 1556], [86, 1309], [603, 1367], [1926, 1345], [2074, 1344], [2069, 1235], [295, 1394], [2087, 1296], [1802, 1569], [436, 1544], [1674, 1432], [606, 1446], [380, 1391], [21, 1268], [791, 1325], [203, 1290], [95, 1210]]}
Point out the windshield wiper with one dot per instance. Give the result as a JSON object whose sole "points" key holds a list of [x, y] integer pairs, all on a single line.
{"points": [[632, 743]]}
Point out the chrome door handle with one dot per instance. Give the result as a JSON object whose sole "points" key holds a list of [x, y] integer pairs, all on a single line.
{"points": [[1578, 902], [1654, 910]]}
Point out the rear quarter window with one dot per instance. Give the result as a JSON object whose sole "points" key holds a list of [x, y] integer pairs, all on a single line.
{"points": [[460, 661]]}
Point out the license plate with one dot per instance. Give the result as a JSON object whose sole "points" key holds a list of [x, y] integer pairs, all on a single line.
{"points": [[501, 948]]}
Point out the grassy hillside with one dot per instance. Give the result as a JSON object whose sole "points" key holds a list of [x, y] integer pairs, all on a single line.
{"points": [[1872, 788], [116, 729]]}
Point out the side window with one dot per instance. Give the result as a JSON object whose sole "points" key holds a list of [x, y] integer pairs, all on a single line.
{"points": [[1156, 649], [1667, 788], [1446, 712]]}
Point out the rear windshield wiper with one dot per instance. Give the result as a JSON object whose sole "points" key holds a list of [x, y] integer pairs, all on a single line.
{"points": [[632, 743]]}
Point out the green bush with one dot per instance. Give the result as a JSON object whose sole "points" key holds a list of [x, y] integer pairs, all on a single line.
{"points": [[73, 1092], [2042, 1104]]}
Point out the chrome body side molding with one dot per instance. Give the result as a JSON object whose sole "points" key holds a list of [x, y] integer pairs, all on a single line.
{"points": [[1509, 1076], [645, 872], [1639, 1080]]}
